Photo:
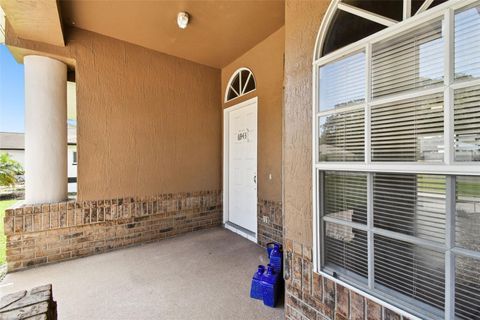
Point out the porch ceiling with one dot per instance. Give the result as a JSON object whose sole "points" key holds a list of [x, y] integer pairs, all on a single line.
{"points": [[218, 33], [35, 20]]}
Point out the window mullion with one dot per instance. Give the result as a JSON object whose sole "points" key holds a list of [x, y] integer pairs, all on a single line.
{"points": [[321, 210], [407, 9], [448, 117], [448, 27], [449, 158], [368, 83], [450, 243], [370, 235]]}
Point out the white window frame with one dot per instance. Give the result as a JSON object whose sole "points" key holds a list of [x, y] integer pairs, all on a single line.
{"points": [[448, 168]]}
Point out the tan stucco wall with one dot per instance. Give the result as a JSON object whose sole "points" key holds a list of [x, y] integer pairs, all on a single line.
{"points": [[266, 62], [148, 123], [302, 22]]}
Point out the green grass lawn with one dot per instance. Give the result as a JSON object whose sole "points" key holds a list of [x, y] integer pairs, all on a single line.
{"points": [[4, 204], [465, 186]]}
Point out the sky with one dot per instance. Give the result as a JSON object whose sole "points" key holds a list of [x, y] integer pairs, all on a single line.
{"points": [[12, 99]]}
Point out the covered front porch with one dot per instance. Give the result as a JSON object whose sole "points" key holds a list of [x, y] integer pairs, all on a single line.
{"points": [[200, 275], [346, 130]]}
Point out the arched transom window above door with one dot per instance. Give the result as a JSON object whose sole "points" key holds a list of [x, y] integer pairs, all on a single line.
{"points": [[240, 83]]}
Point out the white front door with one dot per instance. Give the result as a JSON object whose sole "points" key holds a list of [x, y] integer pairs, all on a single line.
{"points": [[241, 165]]}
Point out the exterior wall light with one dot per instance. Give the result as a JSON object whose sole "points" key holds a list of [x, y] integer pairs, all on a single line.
{"points": [[182, 19]]}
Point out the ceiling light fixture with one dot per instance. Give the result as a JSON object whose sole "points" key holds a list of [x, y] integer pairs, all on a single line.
{"points": [[182, 19]]}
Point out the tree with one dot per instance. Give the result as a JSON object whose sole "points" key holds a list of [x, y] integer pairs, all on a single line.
{"points": [[9, 170]]}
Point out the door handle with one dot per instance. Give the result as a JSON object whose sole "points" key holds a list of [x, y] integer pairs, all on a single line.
{"points": [[255, 179]]}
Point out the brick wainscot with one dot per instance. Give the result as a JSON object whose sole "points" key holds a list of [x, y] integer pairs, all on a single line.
{"points": [[54, 232], [314, 297], [269, 222]]}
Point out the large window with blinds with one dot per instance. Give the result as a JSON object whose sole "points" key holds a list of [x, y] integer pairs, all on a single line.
{"points": [[397, 163]]}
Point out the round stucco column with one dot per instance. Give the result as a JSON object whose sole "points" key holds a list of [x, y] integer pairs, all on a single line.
{"points": [[45, 130]]}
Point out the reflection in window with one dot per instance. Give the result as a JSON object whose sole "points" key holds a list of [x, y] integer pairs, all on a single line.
{"points": [[342, 137], [346, 196], [408, 130], [467, 43], [467, 124], [467, 218], [410, 269], [346, 248], [467, 288], [410, 204], [410, 61], [342, 83], [345, 199]]}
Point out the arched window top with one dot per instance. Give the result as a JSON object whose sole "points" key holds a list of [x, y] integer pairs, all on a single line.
{"points": [[390, 112], [348, 21], [241, 83]]}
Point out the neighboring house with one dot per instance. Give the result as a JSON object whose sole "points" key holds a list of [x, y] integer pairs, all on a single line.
{"points": [[13, 143], [72, 158]]}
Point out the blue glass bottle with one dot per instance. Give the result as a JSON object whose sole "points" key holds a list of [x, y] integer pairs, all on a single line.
{"points": [[270, 246], [256, 288], [270, 287], [276, 258]]}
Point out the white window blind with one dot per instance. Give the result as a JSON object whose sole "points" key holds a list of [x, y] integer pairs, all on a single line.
{"points": [[467, 124], [342, 137], [346, 196], [408, 130], [410, 269], [409, 61], [467, 215], [410, 204], [342, 83], [398, 188], [467, 43], [346, 247], [467, 288]]}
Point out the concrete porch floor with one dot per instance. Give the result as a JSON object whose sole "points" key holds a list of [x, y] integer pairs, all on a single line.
{"points": [[201, 275]]}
